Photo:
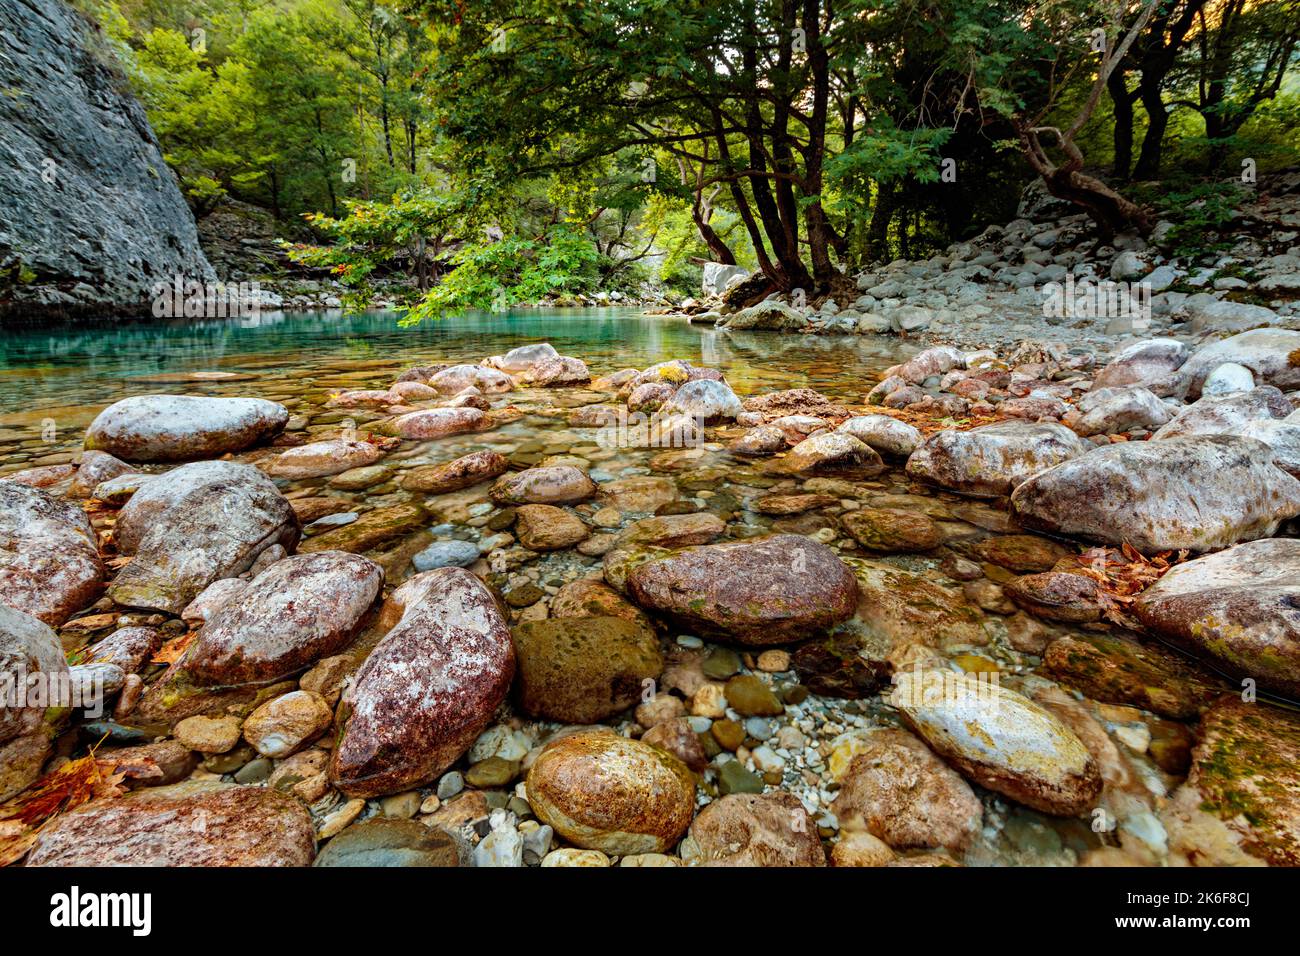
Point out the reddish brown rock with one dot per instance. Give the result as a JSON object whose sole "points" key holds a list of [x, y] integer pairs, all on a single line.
{"points": [[183, 825], [28, 649], [896, 789], [297, 610], [463, 472], [439, 422], [761, 591], [745, 829], [49, 562], [428, 689]]}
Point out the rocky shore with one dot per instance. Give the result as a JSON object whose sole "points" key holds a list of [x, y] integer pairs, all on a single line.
{"points": [[1025, 606]]}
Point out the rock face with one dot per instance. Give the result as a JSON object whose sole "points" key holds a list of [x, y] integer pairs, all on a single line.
{"points": [[182, 825], [93, 211], [27, 648], [297, 610], [1239, 608], [183, 427], [1200, 493], [1001, 740], [1246, 772], [900, 792], [49, 564], [428, 689], [993, 460], [604, 792], [762, 591], [580, 670], [194, 525], [747, 829]]}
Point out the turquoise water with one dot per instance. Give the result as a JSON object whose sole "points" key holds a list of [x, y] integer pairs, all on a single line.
{"points": [[63, 365]]}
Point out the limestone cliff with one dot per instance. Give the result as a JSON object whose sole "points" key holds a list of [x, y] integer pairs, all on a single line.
{"points": [[90, 215]]}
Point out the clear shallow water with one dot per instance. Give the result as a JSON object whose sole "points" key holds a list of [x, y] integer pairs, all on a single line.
{"points": [[53, 366]]}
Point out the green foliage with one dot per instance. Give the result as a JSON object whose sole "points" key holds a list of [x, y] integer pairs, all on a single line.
{"points": [[1198, 214], [493, 275]]}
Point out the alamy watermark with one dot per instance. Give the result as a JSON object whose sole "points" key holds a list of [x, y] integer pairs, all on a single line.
{"points": [[1086, 299], [192, 299], [624, 429], [19, 690]]}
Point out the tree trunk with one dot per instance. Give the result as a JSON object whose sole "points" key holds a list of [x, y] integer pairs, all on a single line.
{"points": [[1122, 101], [878, 230]]}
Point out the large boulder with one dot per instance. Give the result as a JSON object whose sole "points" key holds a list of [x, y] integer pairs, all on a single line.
{"points": [[1000, 739], [1199, 493], [1225, 415], [1239, 608], [761, 591], [557, 372], [194, 525], [704, 399], [187, 824], [1109, 410], [31, 660], [886, 435], [1151, 363], [1244, 786], [183, 427], [770, 316], [580, 670], [428, 689], [717, 277], [523, 358], [604, 792], [992, 460], [1268, 353], [833, 453], [299, 609], [49, 562]]}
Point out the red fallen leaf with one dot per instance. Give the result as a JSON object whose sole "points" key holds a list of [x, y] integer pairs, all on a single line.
{"points": [[171, 652], [75, 783]]}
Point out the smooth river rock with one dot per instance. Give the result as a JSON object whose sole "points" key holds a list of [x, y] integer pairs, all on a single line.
{"points": [[1225, 415], [49, 562], [755, 592], [186, 824], [27, 648], [550, 485], [1266, 352], [428, 689], [1000, 739], [299, 609], [754, 829], [194, 525], [463, 472], [323, 458], [604, 792], [183, 427], [580, 670], [432, 423], [886, 435], [1201, 493], [992, 460], [897, 790], [1238, 608]]}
